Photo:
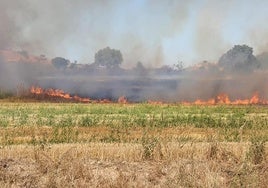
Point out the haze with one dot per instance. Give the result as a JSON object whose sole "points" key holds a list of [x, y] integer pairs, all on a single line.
{"points": [[154, 32]]}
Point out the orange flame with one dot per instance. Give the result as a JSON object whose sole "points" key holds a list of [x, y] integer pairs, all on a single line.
{"points": [[219, 99], [56, 93], [224, 99], [122, 100]]}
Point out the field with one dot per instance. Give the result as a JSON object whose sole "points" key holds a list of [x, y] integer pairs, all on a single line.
{"points": [[132, 145]]}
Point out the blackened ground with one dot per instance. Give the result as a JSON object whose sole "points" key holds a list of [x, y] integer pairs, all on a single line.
{"points": [[169, 89]]}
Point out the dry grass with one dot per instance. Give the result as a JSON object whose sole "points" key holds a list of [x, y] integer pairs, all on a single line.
{"points": [[137, 145], [47, 134], [123, 165]]}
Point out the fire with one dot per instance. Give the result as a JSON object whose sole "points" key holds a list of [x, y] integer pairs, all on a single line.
{"points": [[60, 94], [56, 93], [202, 102], [122, 100], [224, 99], [255, 99]]}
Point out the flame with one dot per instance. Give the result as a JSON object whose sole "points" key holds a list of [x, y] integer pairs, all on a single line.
{"points": [[255, 99], [224, 99], [60, 94], [122, 100], [56, 93]]}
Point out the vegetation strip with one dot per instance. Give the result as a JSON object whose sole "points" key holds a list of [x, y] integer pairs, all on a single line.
{"points": [[113, 145]]}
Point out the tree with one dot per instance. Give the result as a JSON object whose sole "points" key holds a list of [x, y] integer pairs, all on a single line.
{"points": [[179, 66], [140, 69], [24, 53], [239, 58], [60, 62], [109, 58]]}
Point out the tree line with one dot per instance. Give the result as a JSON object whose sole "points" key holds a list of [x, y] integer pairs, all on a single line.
{"points": [[240, 58]]}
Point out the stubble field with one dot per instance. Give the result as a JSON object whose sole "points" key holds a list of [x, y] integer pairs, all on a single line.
{"points": [[132, 145]]}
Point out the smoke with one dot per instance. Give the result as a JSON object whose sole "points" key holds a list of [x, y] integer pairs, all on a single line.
{"points": [[7, 26], [9, 78], [76, 30], [209, 39], [152, 32]]}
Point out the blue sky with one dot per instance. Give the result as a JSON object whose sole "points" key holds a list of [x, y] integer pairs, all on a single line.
{"points": [[155, 32]]}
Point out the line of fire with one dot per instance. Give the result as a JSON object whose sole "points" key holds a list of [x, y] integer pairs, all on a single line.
{"points": [[220, 99]]}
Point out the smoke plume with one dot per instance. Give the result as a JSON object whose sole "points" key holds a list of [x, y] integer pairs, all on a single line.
{"points": [[150, 32]]}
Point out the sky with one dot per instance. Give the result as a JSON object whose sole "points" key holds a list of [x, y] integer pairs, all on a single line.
{"points": [[154, 32]]}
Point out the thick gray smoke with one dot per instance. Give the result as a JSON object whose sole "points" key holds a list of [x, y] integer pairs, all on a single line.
{"points": [[152, 32]]}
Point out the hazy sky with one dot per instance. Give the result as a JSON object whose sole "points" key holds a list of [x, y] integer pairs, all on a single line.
{"points": [[155, 32]]}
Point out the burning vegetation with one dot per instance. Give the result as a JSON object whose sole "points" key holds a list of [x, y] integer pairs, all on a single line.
{"points": [[54, 93], [60, 95], [224, 99], [239, 78]]}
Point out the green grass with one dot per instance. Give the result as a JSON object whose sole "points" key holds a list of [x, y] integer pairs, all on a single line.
{"points": [[141, 115], [229, 123]]}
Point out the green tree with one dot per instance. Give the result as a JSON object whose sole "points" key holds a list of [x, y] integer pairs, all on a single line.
{"points": [[240, 58], [60, 62], [109, 58], [179, 66]]}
